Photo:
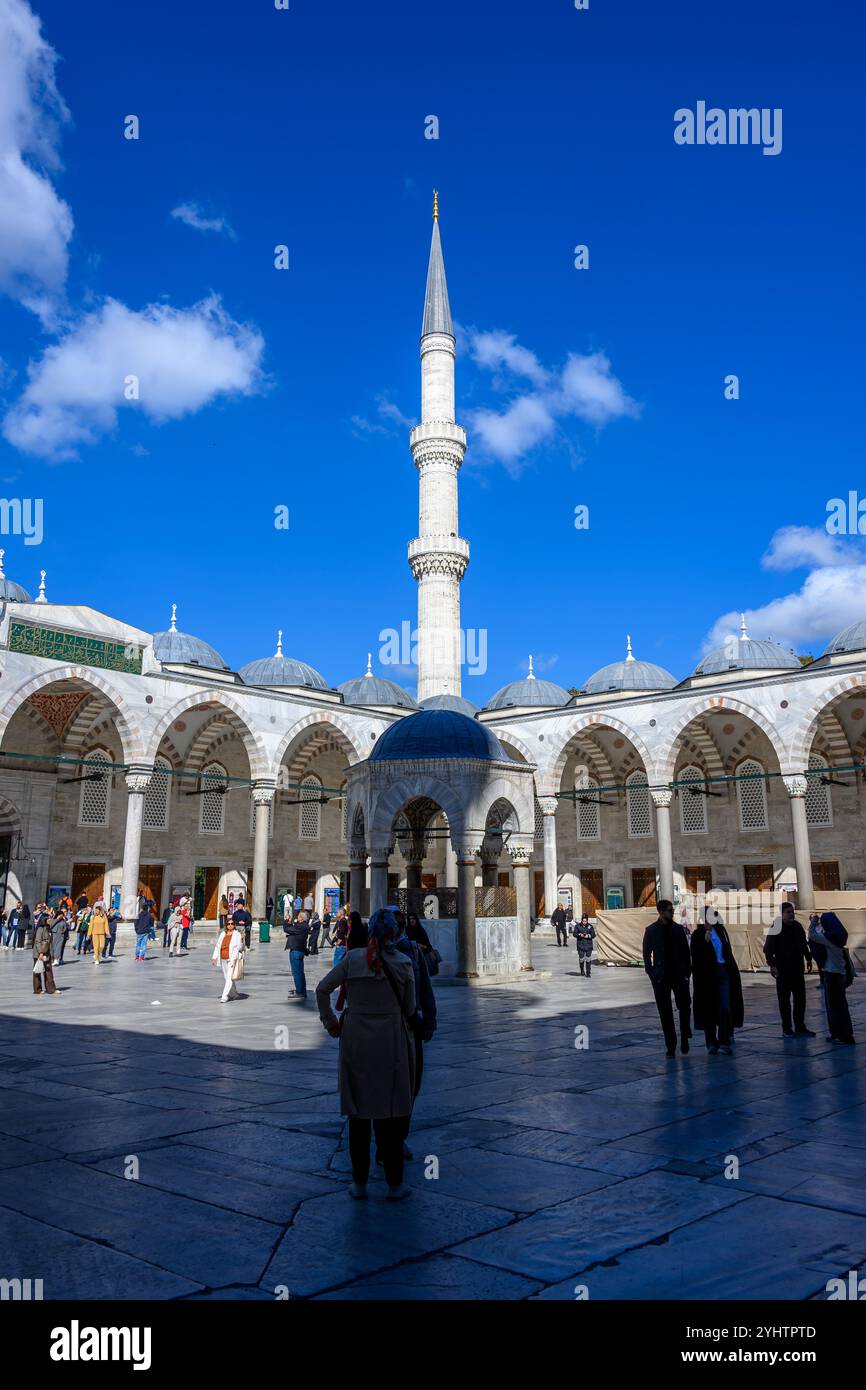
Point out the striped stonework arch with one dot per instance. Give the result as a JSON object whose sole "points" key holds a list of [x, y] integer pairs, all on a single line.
{"points": [[386, 804], [322, 727], [667, 757], [801, 743], [222, 704], [550, 780], [505, 736], [132, 739], [212, 736]]}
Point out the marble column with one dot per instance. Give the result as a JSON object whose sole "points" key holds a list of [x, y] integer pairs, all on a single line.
{"points": [[379, 857], [796, 788], [489, 867], [521, 858], [467, 965], [662, 800], [263, 797], [551, 874], [137, 783], [357, 876], [450, 865]]}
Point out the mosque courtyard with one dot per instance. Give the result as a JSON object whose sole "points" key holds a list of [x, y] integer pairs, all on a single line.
{"points": [[157, 1145]]}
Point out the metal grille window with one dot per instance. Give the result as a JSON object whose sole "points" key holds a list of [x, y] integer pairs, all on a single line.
{"points": [[693, 805], [819, 808], [588, 812], [95, 801], [638, 797], [213, 803], [156, 796], [752, 795], [310, 809]]}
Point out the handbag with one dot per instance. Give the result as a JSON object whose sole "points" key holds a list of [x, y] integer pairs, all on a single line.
{"points": [[433, 959], [238, 967], [39, 968], [850, 972]]}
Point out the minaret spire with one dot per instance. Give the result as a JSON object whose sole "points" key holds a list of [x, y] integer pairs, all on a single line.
{"points": [[438, 556]]}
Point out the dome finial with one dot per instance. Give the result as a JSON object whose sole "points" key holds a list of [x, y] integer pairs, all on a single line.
{"points": [[41, 595], [531, 674], [629, 655], [743, 633], [279, 650], [173, 627], [435, 204], [369, 670]]}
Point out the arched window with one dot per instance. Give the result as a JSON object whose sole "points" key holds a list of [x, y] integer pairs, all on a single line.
{"points": [[752, 795], [94, 803], [344, 812], [819, 807], [156, 796], [588, 811], [638, 798], [213, 803], [693, 804], [310, 809]]}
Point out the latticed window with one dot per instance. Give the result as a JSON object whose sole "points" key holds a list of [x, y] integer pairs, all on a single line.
{"points": [[156, 796], [819, 808], [638, 798], [752, 795], [95, 802], [588, 811], [693, 805], [539, 820], [213, 803], [310, 818]]}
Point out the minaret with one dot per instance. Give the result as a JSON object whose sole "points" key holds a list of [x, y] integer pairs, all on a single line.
{"points": [[438, 557]]}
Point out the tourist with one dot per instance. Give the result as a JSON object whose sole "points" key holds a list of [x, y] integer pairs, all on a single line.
{"points": [[315, 928], [297, 943], [175, 927], [667, 962], [377, 1052], [243, 921], [308, 905], [718, 991], [98, 932], [557, 920], [423, 1021], [59, 933], [326, 928], [143, 928], [228, 953], [269, 909], [82, 924], [185, 923], [416, 932], [43, 970], [827, 940], [17, 926], [344, 931], [787, 953], [584, 936], [223, 912], [113, 919]]}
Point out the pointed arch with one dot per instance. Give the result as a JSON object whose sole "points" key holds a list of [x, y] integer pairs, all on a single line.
{"points": [[235, 714], [550, 779], [801, 742], [666, 759], [341, 728], [132, 740]]}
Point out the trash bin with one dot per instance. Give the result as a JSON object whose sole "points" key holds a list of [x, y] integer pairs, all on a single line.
{"points": [[264, 931]]}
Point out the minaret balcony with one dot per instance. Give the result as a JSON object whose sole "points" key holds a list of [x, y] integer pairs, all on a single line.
{"points": [[432, 430], [443, 545]]}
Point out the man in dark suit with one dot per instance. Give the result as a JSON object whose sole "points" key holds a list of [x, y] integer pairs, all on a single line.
{"points": [[667, 961], [557, 920], [788, 956]]}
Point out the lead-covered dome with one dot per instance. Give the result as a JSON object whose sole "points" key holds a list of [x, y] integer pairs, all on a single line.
{"points": [[529, 691], [181, 648], [455, 702], [851, 639], [630, 674], [375, 690], [745, 653], [438, 733], [10, 592], [282, 670]]}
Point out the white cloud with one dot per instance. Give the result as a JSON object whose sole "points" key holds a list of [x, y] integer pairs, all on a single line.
{"points": [[510, 434], [498, 349], [35, 224], [193, 216], [183, 359], [805, 547]]}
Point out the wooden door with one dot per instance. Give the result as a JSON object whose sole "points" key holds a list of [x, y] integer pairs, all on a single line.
{"points": [[428, 880], [758, 878], [643, 887], [150, 884], [89, 879], [696, 875], [305, 884], [538, 880], [591, 891], [211, 894], [503, 880], [825, 876]]}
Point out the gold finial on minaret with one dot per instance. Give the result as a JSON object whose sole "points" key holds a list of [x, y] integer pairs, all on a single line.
{"points": [[435, 204]]}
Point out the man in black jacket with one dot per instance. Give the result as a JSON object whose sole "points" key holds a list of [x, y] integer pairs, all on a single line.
{"points": [[297, 935], [557, 920], [788, 955], [668, 963]]}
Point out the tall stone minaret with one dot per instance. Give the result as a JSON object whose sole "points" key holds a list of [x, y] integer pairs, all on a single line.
{"points": [[438, 556]]}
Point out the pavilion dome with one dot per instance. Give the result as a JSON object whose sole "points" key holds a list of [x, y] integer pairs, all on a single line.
{"points": [[438, 733], [183, 648], [375, 690], [630, 674], [851, 639], [10, 592], [282, 670], [529, 691], [745, 653], [455, 702]]}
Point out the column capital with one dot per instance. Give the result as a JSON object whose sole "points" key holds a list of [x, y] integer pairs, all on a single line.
{"points": [[380, 853], [796, 784], [138, 779], [263, 792], [662, 796], [467, 850], [490, 856], [358, 855], [547, 805], [521, 855]]}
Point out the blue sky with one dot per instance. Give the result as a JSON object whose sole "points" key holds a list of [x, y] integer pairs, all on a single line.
{"points": [[262, 388]]}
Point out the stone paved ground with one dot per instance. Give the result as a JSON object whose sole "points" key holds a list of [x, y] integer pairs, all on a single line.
{"points": [[557, 1166]]}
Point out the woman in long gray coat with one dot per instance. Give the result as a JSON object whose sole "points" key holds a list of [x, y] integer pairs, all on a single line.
{"points": [[377, 1053]]}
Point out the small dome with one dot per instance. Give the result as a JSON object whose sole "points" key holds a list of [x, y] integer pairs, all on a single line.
{"points": [[529, 691], [181, 647], [375, 690], [851, 639], [455, 702], [438, 733], [745, 653], [630, 674], [10, 592], [282, 670]]}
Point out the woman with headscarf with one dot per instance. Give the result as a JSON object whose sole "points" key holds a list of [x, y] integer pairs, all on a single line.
{"points": [[827, 940], [584, 935], [43, 971], [377, 1051], [59, 932], [716, 986]]}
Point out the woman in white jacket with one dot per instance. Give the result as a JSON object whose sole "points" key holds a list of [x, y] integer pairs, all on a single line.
{"points": [[228, 950]]}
